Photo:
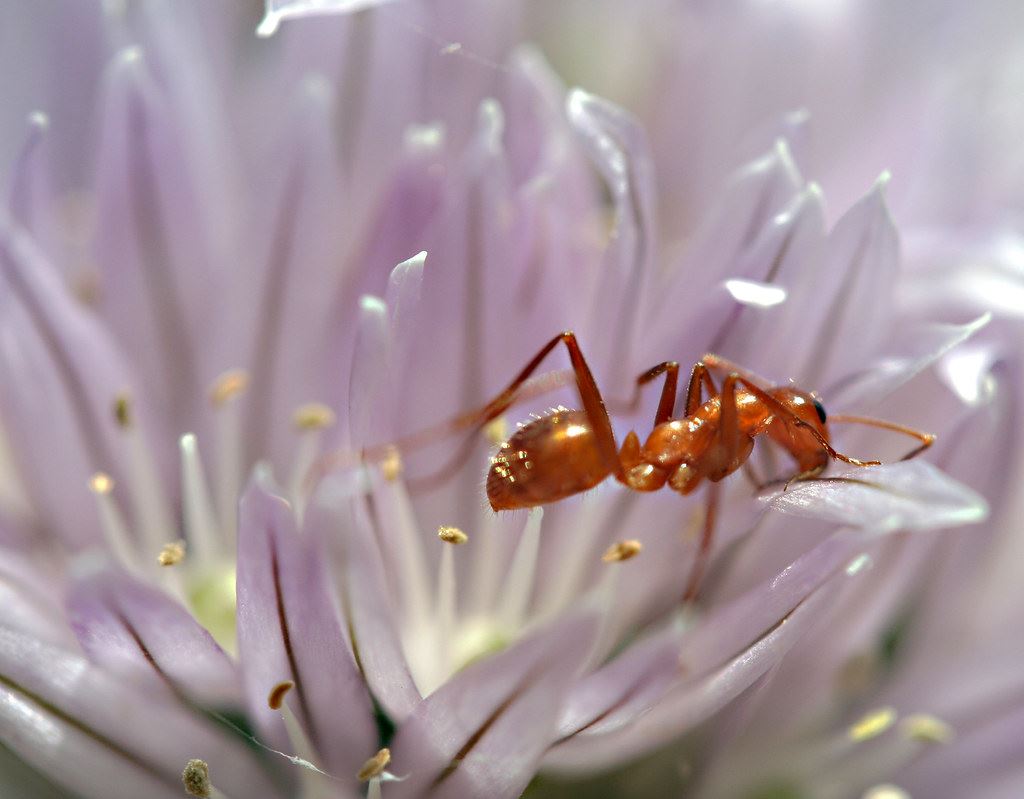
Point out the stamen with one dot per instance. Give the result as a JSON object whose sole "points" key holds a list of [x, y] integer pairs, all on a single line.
{"points": [[872, 725], [445, 607], [200, 523], [122, 412], [277, 694], [519, 583], [313, 416], [228, 440], [886, 791], [172, 553], [228, 386], [150, 512], [927, 729], [313, 781], [622, 550], [309, 420], [391, 466], [375, 766], [115, 531], [196, 777], [452, 535]]}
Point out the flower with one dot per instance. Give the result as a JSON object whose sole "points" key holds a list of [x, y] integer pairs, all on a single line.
{"points": [[274, 259]]}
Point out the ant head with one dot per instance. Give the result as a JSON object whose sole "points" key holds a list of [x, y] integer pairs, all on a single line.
{"points": [[793, 431]]}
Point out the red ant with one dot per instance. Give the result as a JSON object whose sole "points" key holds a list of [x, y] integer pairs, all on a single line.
{"points": [[566, 452]]}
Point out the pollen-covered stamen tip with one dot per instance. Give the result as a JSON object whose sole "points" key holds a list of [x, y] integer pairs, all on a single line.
{"points": [[452, 535], [927, 729], [275, 699], [374, 767], [391, 465], [622, 550], [313, 416], [196, 778], [123, 411], [872, 724], [228, 386], [172, 553]]}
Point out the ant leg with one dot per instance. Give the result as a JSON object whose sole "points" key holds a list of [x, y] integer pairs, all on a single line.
{"points": [[667, 403], [593, 406], [704, 549], [700, 377], [926, 439]]}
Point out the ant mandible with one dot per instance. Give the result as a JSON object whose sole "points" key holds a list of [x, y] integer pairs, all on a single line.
{"points": [[566, 452]]}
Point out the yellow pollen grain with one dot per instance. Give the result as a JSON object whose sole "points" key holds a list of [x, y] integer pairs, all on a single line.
{"points": [[452, 535], [277, 694], [313, 416], [926, 729], [873, 724], [228, 386], [172, 554], [101, 483], [375, 766], [496, 430], [391, 465], [196, 778], [622, 550], [123, 411]]}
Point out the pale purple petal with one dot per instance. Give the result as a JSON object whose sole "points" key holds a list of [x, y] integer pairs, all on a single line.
{"points": [[483, 731], [60, 376], [136, 631], [913, 495], [288, 629], [620, 152], [344, 522], [83, 728], [154, 246]]}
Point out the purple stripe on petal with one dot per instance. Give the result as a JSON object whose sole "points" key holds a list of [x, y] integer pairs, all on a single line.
{"points": [[482, 732], [344, 522], [134, 630], [288, 629], [95, 734]]}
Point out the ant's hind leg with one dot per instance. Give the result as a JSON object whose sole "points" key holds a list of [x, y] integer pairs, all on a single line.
{"points": [[593, 406]]}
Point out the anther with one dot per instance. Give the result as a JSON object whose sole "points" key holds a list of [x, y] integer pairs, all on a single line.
{"points": [[196, 778], [873, 724], [391, 465], [313, 416], [123, 411], [172, 554], [375, 766], [622, 550], [101, 483], [452, 535], [926, 729], [275, 699], [229, 385]]}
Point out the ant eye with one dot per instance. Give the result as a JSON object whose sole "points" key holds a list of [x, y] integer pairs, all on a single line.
{"points": [[821, 411]]}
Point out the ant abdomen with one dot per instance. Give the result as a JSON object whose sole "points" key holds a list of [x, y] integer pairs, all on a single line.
{"points": [[545, 460]]}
